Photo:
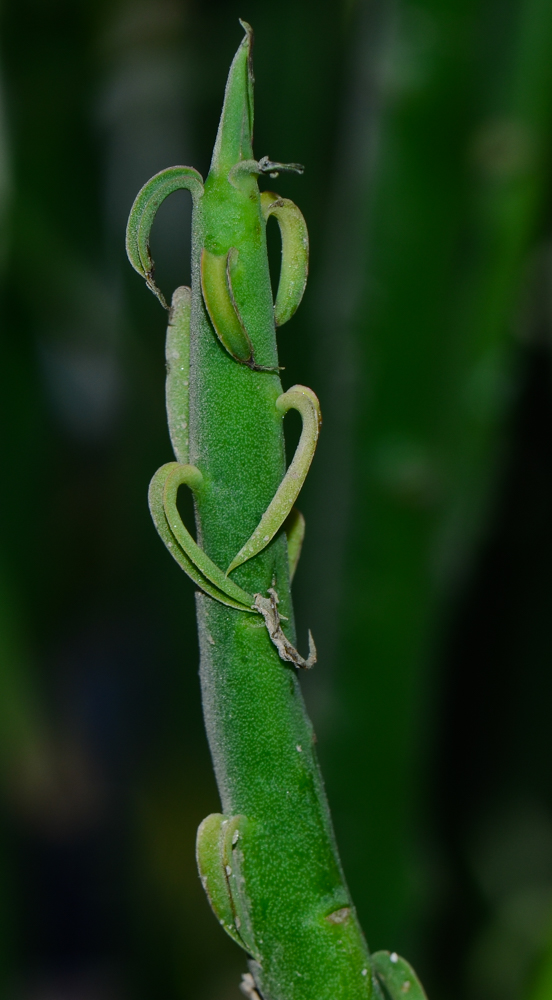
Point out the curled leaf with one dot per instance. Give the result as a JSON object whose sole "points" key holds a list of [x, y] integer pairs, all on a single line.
{"points": [[300, 398], [295, 254], [187, 553], [143, 212], [216, 285]]}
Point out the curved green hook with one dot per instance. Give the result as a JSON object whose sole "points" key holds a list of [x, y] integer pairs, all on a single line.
{"points": [[303, 399], [143, 212], [187, 553], [295, 253]]}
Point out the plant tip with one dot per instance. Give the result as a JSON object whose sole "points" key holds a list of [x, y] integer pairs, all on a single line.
{"points": [[247, 28]]}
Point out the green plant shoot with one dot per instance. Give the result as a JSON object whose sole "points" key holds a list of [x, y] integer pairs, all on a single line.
{"points": [[269, 861]]}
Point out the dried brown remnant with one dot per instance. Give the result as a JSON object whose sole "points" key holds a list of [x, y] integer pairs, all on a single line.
{"points": [[268, 607]]}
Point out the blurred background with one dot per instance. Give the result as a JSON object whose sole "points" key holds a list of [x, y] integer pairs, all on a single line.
{"points": [[426, 130]]}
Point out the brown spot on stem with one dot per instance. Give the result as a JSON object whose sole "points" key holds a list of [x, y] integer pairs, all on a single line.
{"points": [[339, 916]]}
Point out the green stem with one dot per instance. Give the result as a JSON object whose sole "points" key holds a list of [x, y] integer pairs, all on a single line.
{"points": [[269, 863]]}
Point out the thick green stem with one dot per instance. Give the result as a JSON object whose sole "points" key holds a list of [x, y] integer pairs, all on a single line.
{"points": [[260, 737], [269, 864]]}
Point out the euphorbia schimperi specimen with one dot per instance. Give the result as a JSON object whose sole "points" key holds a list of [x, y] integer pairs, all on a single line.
{"points": [[269, 861]]}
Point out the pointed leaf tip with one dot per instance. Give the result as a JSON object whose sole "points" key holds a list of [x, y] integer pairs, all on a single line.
{"points": [[247, 28], [235, 132], [248, 40]]}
